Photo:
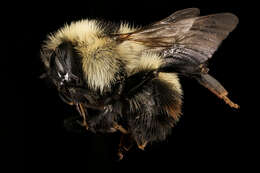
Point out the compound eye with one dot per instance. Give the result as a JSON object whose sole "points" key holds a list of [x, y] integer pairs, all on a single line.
{"points": [[64, 66], [59, 67], [56, 64]]}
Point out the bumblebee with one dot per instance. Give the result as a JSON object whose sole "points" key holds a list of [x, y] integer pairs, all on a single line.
{"points": [[122, 78]]}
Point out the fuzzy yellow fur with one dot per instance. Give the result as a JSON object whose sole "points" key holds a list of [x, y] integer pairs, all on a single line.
{"points": [[101, 55], [172, 79]]}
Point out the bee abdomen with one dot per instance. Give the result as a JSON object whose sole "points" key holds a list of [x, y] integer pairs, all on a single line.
{"points": [[154, 110]]}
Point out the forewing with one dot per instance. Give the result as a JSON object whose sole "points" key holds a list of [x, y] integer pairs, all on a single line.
{"points": [[180, 15], [203, 37], [187, 41], [161, 33], [184, 35]]}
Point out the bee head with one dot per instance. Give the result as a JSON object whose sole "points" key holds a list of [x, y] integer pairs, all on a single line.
{"points": [[64, 66], [65, 70]]}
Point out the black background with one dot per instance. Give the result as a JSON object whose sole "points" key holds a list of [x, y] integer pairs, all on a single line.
{"points": [[209, 136]]}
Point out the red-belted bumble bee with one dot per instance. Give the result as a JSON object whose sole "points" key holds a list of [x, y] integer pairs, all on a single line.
{"points": [[122, 78]]}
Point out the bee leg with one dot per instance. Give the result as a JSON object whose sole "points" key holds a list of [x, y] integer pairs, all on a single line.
{"points": [[142, 146], [126, 142], [82, 112], [66, 100], [215, 87], [121, 129]]}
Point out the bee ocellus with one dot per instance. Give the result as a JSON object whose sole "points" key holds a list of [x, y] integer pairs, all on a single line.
{"points": [[122, 78]]}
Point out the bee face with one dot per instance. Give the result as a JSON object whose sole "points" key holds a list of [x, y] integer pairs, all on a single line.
{"points": [[63, 67], [65, 72]]}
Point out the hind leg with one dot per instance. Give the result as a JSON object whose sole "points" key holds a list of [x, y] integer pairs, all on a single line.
{"points": [[126, 143]]}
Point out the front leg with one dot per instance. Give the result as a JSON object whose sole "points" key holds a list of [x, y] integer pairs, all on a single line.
{"points": [[83, 112]]}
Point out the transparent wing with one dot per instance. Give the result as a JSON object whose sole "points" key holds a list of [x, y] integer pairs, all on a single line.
{"points": [[186, 41]]}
